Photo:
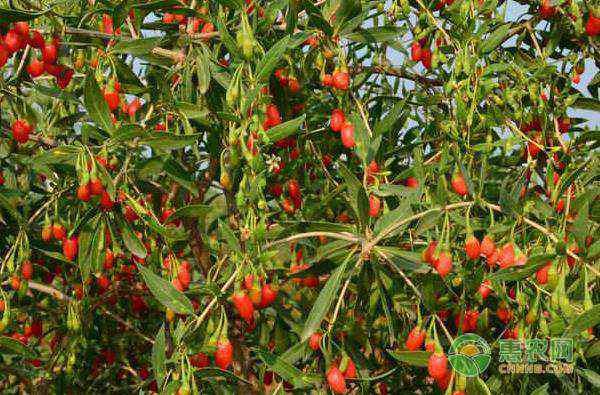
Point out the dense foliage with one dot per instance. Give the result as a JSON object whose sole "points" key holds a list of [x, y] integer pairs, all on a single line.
{"points": [[268, 196]]}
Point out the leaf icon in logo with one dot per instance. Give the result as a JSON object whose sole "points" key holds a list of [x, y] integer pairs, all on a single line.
{"points": [[464, 365]]}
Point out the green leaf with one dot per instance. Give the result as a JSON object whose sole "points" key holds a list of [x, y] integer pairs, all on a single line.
{"points": [[376, 34], [519, 272], [203, 70], [476, 386], [140, 46], [166, 293], [323, 302], [496, 38], [587, 103], [285, 370], [592, 377], [285, 129], [583, 321], [210, 373], [413, 358], [8, 15], [132, 242], [541, 390], [13, 346], [228, 235], [191, 211], [55, 255], [96, 106], [401, 212], [179, 174], [294, 353], [159, 356], [272, 58], [168, 141], [191, 110], [391, 119]]}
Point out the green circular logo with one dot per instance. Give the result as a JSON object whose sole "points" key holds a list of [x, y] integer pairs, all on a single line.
{"points": [[469, 355]]}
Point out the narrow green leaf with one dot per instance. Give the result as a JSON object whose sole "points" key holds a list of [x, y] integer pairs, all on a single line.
{"points": [[96, 106], [132, 242], [284, 369], [227, 234], [159, 356], [166, 293], [323, 302], [413, 358], [140, 46], [376, 34], [285, 129], [583, 321], [272, 58], [13, 346], [496, 38]]}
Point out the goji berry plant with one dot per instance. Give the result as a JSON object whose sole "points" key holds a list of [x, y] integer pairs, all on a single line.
{"points": [[296, 196]]}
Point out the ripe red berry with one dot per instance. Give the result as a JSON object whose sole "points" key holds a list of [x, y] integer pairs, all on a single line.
{"points": [[348, 135], [59, 231], [337, 120], [472, 247], [315, 341], [327, 80], [341, 80], [109, 259], [374, 206], [35, 68], [96, 187], [22, 28], [546, 9], [437, 365], [4, 55], [243, 305], [426, 58], [336, 381], [507, 256], [27, 270], [13, 41], [294, 85], [444, 264], [112, 99], [411, 182], [487, 246], [415, 51], [415, 339], [36, 40], [199, 360], [459, 185], [64, 77], [350, 372], [542, 275], [484, 289], [592, 26], [294, 189], [428, 253], [49, 53], [84, 193], [70, 248], [20, 131], [105, 201], [15, 283], [224, 354], [268, 296]]}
